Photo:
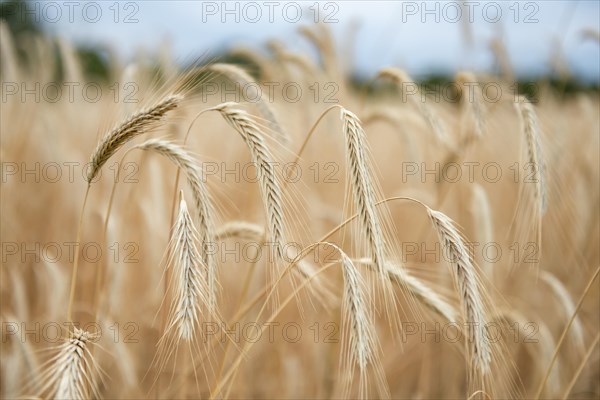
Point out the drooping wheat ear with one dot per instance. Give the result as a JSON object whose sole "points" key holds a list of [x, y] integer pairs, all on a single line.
{"points": [[421, 292], [72, 373], [270, 188], [534, 151], [472, 99], [403, 81], [363, 189], [250, 91], [467, 285], [203, 205], [361, 346], [190, 289], [137, 124]]}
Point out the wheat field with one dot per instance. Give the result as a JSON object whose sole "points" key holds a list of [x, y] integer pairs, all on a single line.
{"points": [[192, 234]]}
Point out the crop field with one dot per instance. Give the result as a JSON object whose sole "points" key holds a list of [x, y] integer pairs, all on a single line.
{"points": [[265, 225]]}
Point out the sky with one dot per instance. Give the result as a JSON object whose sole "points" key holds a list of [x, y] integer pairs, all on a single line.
{"points": [[420, 36]]}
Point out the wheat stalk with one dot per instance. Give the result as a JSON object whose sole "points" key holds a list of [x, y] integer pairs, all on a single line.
{"points": [[534, 150], [203, 205], [137, 124], [466, 282], [72, 374], [271, 191]]}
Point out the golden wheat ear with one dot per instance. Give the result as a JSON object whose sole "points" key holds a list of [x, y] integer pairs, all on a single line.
{"points": [[72, 373], [465, 278], [203, 203], [137, 124], [359, 340], [270, 187], [363, 189], [190, 289], [535, 157]]}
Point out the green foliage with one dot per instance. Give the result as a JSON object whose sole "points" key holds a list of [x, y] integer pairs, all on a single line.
{"points": [[12, 13]]}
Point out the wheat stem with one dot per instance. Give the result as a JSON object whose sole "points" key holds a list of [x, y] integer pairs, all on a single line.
{"points": [[76, 261]]}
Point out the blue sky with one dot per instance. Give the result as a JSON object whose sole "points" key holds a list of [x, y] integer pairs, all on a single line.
{"points": [[400, 33]]}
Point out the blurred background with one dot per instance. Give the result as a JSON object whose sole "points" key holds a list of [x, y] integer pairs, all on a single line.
{"points": [[551, 39], [552, 44]]}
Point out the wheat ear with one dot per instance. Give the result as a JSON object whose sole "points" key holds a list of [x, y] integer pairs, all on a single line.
{"points": [[534, 150], [466, 282], [270, 188], [361, 347], [203, 205], [137, 124], [72, 373], [250, 93], [363, 190], [191, 290]]}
